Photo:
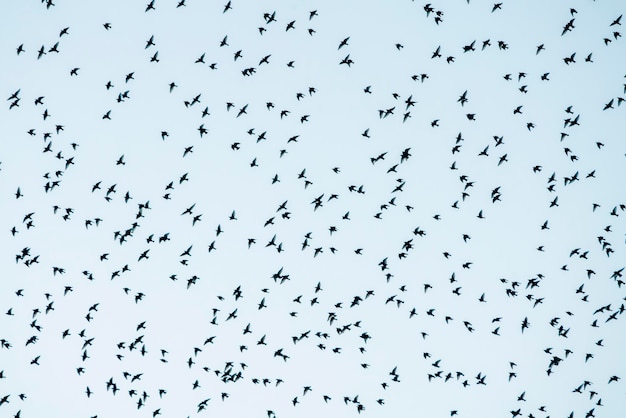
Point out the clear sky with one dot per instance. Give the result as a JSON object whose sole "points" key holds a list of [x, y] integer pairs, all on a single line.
{"points": [[257, 209]]}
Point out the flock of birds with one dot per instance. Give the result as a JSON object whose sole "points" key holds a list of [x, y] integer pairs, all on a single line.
{"points": [[196, 246]]}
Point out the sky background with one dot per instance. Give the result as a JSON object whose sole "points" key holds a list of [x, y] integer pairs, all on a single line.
{"points": [[469, 304]]}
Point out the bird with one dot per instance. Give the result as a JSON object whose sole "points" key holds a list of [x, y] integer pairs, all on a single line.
{"points": [[617, 21]]}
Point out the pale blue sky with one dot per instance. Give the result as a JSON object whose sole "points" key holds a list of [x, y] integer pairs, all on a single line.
{"points": [[502, 248]]}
